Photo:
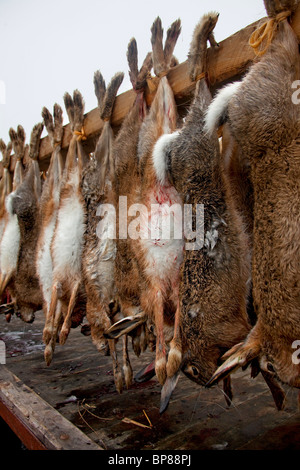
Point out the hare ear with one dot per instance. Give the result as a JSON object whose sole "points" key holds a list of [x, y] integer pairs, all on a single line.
{"points": [[162, 56], [167, 390], [138, 78], [124, 326], [275, 388], [146, 373], [35, 139], [238, 356], [132, 59], [171, 39]]}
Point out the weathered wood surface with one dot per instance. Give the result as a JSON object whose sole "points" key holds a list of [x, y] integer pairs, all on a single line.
{"points": [[79, 385], [229, 61], [31, 415]]}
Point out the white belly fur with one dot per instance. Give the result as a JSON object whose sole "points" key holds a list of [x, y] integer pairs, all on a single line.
{"points": [[163, 256], [10, 243], [68, 240], [44, 260]]}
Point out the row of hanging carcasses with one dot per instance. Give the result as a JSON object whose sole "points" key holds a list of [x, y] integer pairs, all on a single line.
{"points": [[89, 241]]}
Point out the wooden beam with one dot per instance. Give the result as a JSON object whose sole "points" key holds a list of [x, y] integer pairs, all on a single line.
{"points": [[26, 436], [37, 424], [228, 62], [230, 59]]}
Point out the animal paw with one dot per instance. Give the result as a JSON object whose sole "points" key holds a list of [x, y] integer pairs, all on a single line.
{"points": [[161, 370], [174, 360]]}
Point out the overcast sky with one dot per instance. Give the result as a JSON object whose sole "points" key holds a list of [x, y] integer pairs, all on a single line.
{"points": [[49, 47]]}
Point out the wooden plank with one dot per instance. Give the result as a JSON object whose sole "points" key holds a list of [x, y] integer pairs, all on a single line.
{"points": [[82, 390], [36, 423], [228, 62], [29, 440]]}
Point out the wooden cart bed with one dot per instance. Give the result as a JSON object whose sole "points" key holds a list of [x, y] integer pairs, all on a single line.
{"points": [[72, 404]]}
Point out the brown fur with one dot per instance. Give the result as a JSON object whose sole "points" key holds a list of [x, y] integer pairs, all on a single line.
{"points": [[127, 276], [28, 298], [274, 7], [67, 287], [6, 180], [98, 255], [265, 123], [49, 205], [5, 189], [54, 126], [18, 144], [162, 56], [237, 169], [213, 288], [136, 290], [156, 295]]}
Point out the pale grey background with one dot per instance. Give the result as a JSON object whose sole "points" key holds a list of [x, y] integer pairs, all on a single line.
{"points": [[49, 47]]}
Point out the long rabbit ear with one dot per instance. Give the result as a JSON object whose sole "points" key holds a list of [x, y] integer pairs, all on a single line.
{"points": [[172, 36], [69, 105], [100, 88], [146, 373], [106, 101], [6, 153], [138, 78], [18, 138], [167, 390], [110, 96], [35, 141], [158, 55], [238, 356], [58, 123], [48, 122], [275, 388], [162, 56], [75, 110], [6, 179], [132, 59], [2, 147], [79, 104], [124, 326], [54, 124], [162, 117]]}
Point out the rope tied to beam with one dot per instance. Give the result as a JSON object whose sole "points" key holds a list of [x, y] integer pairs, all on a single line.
{"points": [[162, 74], [201, 76], [153, 82], [266, 33], [80, 135]]}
